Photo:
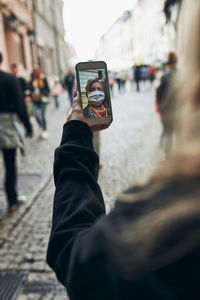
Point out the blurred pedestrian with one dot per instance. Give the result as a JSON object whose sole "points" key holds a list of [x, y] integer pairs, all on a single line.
{"points": [[11, 106], [56, 91], [166, 105], [137, 77], [148, 246], [118, 81], [39, 92], [22, 82], [151, 73], [111, 78], [123, 81], [144, 76], [69, 83], [24, 87]]}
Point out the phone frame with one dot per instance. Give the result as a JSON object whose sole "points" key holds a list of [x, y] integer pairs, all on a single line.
{"points": [[87, 65]]}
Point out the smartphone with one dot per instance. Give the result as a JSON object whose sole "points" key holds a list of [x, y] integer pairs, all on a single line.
{"points": [[93, 87]]}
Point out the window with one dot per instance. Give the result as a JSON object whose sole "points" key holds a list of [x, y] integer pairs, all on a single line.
{"points": [[30, 5], [41, 59], [21, 50], [52, 60]]}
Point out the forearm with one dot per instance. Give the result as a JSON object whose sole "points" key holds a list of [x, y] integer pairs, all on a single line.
{"points": [[78, 200]]}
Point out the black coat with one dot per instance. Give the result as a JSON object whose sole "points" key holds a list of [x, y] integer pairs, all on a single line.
{"points": [[12, 99], [69, 81], [90, 252], [23, 84], [44, 91]]}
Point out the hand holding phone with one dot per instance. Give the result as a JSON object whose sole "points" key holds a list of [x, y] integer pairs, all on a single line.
{"points": [[93, 87], [76, 113]]}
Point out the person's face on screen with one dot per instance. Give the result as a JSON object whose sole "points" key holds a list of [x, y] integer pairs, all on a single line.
{"points": [[96, 94], [96, 86]]}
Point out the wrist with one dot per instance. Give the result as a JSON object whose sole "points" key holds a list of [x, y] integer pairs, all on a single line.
{"points": [[76, 129]]}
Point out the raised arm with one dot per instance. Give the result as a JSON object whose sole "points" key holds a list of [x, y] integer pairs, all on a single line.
{"points": [[78, 200]]}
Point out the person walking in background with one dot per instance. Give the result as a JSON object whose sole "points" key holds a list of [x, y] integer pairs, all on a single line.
{"points": [[56, 91], [148, 246], [137, 77], [39, 92], [69, 83], [123, 82], [166, 105], [111, 79], [22, 82], [24, 87], [118, 81], [144, 75], [11, 106], [151, 73]]}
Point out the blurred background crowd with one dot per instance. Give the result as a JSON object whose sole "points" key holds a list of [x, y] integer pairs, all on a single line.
{"points": [[33, 33]]}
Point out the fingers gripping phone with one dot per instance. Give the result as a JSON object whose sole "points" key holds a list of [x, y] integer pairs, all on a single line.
{"points": [[93, 87]]}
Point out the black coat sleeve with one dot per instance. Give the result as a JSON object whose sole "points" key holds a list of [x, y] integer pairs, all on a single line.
{"points": [[23, 84], [78, 201]]}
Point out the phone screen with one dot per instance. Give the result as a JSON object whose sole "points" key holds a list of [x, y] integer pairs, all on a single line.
{"points": [[94, 90]]}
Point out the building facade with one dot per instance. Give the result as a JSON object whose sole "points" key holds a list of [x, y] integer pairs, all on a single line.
{"points": [[115, 46], [16, 35], [32, 33], [52, 50], [140, 36]]}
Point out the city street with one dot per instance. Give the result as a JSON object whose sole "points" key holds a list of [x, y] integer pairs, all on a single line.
{"points": [[129, 151]]}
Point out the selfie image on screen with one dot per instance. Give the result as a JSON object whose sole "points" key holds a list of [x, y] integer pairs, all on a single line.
{"points": [[94, 93]]}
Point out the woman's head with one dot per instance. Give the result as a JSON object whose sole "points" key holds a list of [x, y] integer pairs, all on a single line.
{"points": [[36, 74], [174, 187], [172, 59], [95, 92]]}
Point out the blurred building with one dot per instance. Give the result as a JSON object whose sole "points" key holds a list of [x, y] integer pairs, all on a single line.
{"points": [[16, 35], [73, 57], [139, 36], [32, 32], [155, 37], [52, 50], [116, 46]]}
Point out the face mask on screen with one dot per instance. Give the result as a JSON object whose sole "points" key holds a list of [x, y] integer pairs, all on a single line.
{"points": [[96, 97]]}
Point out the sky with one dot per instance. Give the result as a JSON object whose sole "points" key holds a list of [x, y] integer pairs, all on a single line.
{"points": [[85, 21]]}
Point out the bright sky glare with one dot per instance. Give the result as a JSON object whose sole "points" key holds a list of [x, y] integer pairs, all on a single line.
{"points": [[86, 21]]}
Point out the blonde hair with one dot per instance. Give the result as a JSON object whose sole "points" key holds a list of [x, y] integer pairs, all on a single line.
{"points": [[174, 186], [186, 94], [36, 76]]}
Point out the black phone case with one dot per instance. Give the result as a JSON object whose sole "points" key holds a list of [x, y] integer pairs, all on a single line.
{"points": [[89, 63]]}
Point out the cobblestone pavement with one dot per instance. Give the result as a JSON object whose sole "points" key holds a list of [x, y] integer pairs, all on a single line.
{"points": [[129, 151]]}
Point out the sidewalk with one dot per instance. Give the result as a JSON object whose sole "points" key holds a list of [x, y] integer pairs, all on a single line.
{"points": [[129, 151], [24, 233]]}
